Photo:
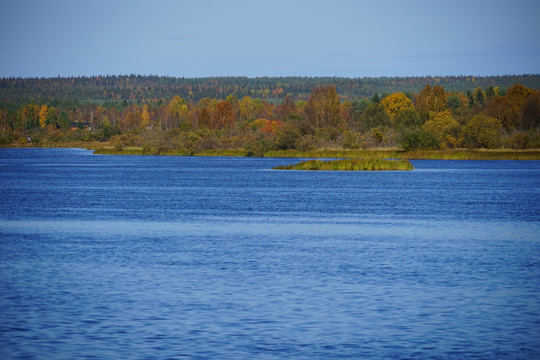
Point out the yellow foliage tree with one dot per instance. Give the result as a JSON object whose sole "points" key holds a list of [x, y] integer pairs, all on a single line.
{"points": [[395, 103], [145, 117], [43, 116], [439, 99], [177, 106], [440, 125], [431, 99], [245, 109]]}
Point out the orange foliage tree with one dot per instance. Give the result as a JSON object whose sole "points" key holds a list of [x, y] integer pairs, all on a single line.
{"points": [[224, 116]]}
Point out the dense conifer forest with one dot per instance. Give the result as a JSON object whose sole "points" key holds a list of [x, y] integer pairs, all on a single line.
{"points": [[139, 89]]}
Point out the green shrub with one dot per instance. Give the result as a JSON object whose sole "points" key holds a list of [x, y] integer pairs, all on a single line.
{"points": [[419, 139], [483, 132]]}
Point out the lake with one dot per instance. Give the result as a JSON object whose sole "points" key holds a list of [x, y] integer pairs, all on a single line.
{"points": [[143, 257]]}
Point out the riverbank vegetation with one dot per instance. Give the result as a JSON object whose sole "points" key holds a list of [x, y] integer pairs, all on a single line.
{"points": [[365, 164], [473, 154], [295, 117]]}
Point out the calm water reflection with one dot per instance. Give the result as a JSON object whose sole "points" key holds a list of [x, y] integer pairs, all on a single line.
{"points": [[170, 257]]}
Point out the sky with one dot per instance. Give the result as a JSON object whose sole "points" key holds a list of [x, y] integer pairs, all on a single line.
{"points": [[199, 38]]}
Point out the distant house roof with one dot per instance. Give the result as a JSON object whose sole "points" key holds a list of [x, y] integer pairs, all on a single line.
{"points": [[76, 125]]}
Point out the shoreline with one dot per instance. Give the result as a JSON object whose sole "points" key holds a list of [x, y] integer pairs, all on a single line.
{"points": [[454, 154]]}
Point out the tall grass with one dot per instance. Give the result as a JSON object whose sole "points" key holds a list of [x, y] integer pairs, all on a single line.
{"points": [[477, 154], [126, 151], [222, 152], [465, 154], [369, 164], [333, 153], [462, 154]]}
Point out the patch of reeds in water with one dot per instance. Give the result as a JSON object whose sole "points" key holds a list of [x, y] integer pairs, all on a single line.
{"points": [[370, 164]]}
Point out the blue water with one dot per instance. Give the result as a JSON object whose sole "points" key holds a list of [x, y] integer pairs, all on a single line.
{"points": [[134, 257]]}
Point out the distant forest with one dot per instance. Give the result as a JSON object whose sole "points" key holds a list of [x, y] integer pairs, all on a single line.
{"points": [[138, 89], [258, 115]]}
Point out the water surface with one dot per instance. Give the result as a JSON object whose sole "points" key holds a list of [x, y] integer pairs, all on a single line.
{"points": [[142, 257]]}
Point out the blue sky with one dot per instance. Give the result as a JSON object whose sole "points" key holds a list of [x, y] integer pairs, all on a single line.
{"points": [[269, 38]]}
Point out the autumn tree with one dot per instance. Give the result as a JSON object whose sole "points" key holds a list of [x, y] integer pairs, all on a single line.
{"points": [[204, 112], [287, 137], [424, 99], [322, 108], [439, 99], [431, 99], [483, 131], [177, 111], [501, 108], [268, 109], [395, 103], [132, 119], [224, 115], [346, 113], [257, 109], [43, 116], [145, 117], [245, 110], [444, 127], [203, 118], [286, 108], [270, 127], [518, 94], [530, 112]]}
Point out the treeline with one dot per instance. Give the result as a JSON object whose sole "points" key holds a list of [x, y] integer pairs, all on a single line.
{"points": [[137, 89], [432, 118]]}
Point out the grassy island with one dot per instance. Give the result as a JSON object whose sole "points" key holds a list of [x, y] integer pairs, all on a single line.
{"points": [[350, 165]]}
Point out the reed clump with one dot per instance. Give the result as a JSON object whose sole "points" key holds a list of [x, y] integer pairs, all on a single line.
{"points": [[371, 164]]}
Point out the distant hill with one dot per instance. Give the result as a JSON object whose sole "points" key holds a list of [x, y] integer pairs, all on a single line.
{"points": [[138, 88]]}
